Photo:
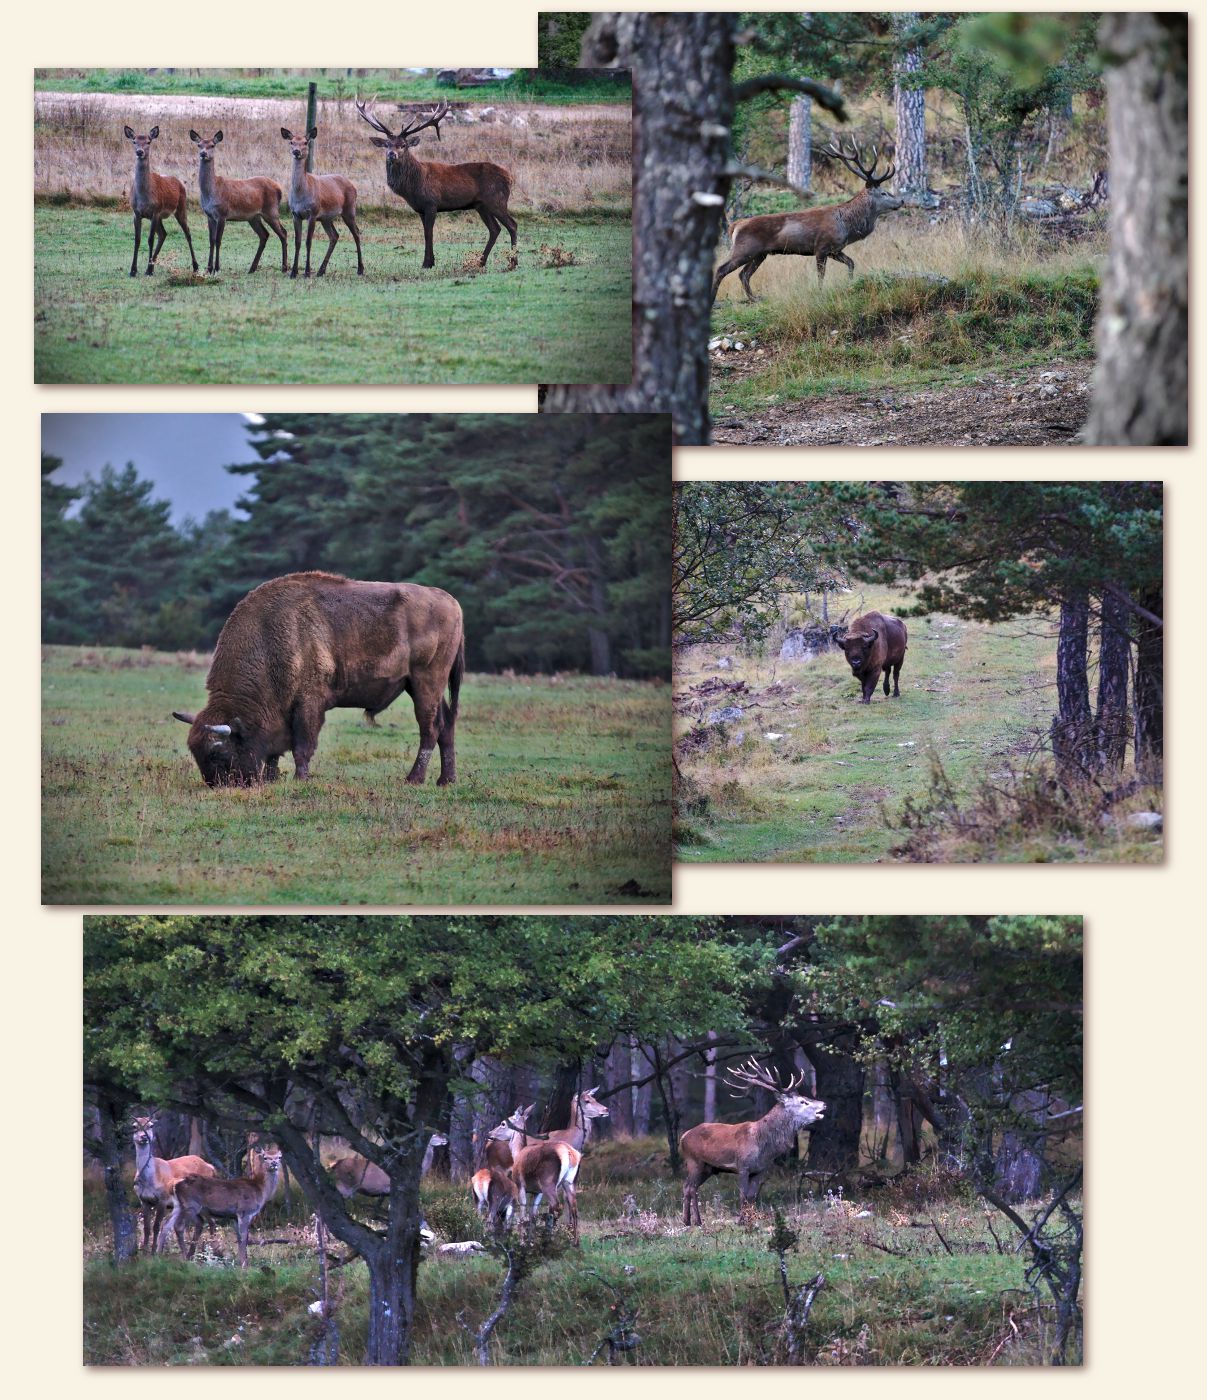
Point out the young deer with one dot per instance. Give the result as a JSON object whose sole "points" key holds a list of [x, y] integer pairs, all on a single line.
{"points": [[493, 1189], [431, 187], [747, 1149], [155, 1179], [256, 201], [154, 197], [355, 1174], [819, 233], [239, 1198], [319, 199]]}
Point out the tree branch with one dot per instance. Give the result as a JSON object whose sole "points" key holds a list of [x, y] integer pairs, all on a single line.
{"points": [[781, 82]]}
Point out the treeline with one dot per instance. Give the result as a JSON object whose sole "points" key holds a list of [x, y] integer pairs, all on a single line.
{"points": [[552, 533], [383, 1029]]}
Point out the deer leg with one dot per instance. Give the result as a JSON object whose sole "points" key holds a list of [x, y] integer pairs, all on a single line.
{"points": [[846, 262], [262, 234], [350, 220], [429, 223], [508, 223], [196, 1237], [332, 239], [137, 241], [492, 229], [748, 272], [241, 1229], [297, 242], [219, 229], [162, 229], [151, 245], [821, 267], [182, 218], [731, 265], [274, 223], [309, 240]]}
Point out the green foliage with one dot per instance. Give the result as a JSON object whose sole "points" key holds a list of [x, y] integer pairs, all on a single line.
{"points": [[559, 39], [453, 324], [550, 531]]}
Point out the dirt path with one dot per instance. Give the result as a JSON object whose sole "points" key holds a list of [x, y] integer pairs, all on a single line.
{"points": [[1017, 408]]}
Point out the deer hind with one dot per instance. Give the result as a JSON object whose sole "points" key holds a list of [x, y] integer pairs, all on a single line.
{"points": [[819, 233], [155, 1179], [356, 1175], [745, 1149], [432, 187], [256, 201], [319, 199], [154, 197], [239, 1198]]}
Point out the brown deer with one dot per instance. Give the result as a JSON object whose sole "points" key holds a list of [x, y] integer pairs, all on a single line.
{"points": [[154, 197], [494, 1190], [818, 233], [319, 199], [585, 1108], [239, 1198], [497, 1156], [550, 1169], [155, 1179], [356, 1175], [747, 1149], [431, 187], [256, 201]]}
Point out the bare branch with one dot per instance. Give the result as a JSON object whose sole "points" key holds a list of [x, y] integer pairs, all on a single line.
{"points": [[781, 82]]}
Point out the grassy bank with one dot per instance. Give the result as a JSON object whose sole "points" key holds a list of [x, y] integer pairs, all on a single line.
{"points": [[396, 324], [834, 785], [563, 796], [711, 1296]]}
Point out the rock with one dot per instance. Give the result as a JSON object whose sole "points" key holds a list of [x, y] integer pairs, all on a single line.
{"points": [[724, 716], [1037, 208], [1049, 391], [1145, 821], [772, 737], [460, 1249], [723, 663]]}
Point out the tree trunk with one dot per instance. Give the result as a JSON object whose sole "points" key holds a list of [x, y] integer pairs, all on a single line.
{"points": [[910, 104], [643, 1097], [710, 1082], [670, 1109], [800, 143], [680, 149], [834, 1142], [1150, 689], [1140, 384], [1072, 726], [620, 1106], [121, 1217], [1114, 656]]}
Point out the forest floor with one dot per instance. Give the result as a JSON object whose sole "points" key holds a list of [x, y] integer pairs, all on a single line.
{"points": [[562, 797], [837, 781], [914, 1276], [567, 305]]}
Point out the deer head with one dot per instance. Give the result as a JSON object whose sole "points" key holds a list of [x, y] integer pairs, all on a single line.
{"points": [[589, 1106], [142, 144], [144, 1131], [205, 148], [299, 146], [799, 1107], [854, 161], [396, 143]]}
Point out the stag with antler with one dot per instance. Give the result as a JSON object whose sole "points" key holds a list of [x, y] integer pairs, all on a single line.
{"points": [[432, 187], [815, 233], [746, 1149]]}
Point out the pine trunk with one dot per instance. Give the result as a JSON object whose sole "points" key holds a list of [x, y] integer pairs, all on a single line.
{"points": [[1112, 722], [910, 103], [1072, 727], [680, 149], [800, 143], [834, 1142], [121, 1217], [1140, 385], [1150, 689]]}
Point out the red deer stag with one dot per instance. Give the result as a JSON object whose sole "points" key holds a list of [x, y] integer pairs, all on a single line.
{"points": [[319, 199], [154, 197], [747, 1149], [256, 201], [155, 1180], [431, 187], [239, 1198], [818, 233]]}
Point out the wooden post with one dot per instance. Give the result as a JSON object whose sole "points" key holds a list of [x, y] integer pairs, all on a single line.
{"points": [[311, 114]]}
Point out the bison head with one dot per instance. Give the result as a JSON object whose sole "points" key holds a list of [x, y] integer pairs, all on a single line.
{"points": [[858, 647], [224, 752]]}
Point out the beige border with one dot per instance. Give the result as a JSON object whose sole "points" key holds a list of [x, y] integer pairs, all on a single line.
{"points": [[1146, 965]]}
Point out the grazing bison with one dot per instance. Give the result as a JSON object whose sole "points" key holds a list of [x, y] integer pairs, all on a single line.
{"points": [[875, 642], [304, 644]]}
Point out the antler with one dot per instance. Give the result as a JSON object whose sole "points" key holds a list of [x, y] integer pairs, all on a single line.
{"points": [[434, 119], [754, 1074], [854, 162], [374, 123]]}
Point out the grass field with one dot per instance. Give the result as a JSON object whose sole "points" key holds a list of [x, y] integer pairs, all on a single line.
{"points": [[563, 796], [833, 786], [94, 324], [710, 1296]]}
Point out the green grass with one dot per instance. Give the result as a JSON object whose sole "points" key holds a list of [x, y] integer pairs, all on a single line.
{"points": [[709, 1296], [972, 695], [94, 324], [563, 796], [386, 84]]}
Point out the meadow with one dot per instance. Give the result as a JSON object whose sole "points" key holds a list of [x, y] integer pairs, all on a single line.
{"points": [[559, 309], [917, 1273], [563, 796], [947, 772]]}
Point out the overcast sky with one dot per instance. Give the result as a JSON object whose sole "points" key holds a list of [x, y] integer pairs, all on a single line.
{"points": [[184, 454]]}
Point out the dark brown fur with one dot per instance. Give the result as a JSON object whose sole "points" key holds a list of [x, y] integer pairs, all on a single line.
{"points": [[874, 643], [304, 644]]}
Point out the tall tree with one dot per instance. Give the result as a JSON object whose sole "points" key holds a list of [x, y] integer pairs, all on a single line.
{"points": [[909, 102]]}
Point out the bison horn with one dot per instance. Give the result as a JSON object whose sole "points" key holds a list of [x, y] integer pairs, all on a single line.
{"points": [[875, 634], [183, 718], [219, 728]]}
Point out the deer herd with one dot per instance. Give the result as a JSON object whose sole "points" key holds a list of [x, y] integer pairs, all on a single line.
{"points": [[429, 187], [520, 1168]]}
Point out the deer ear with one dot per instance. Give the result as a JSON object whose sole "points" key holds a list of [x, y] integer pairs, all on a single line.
{"points": [[153, 133], [217, 137], [312, 133], [129, 133], [414, 141], [378, 141], [193, 136], [286, 133]]}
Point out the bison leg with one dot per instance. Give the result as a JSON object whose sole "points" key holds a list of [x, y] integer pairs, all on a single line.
{"points": [[448, 748], [888, 675], [869, 686], [306, 727], [429, 702], [271, 770], [897, 679]]}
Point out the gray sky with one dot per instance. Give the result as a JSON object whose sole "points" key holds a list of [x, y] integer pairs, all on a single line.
{"points": [[182, 453]]}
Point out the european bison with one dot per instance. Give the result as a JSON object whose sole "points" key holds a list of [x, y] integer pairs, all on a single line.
{"points": [[304, 644], [875, 642]]}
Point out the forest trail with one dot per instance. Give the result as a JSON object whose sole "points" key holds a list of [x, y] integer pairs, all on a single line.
{"points": [[1033, 407]]}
